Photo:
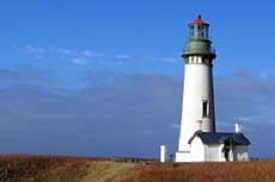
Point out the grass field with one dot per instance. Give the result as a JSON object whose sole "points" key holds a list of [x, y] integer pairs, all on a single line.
{"points": [[24, 168]]}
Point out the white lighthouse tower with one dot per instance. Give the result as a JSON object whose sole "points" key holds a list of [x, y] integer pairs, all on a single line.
{"points": [[198, 111], [198, 139]]}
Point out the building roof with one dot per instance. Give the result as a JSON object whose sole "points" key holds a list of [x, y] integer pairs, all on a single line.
{"points": [[220, 138], [199, 21]]}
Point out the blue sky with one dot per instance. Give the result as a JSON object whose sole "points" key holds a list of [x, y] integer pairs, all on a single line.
{"points": [[104, 78]]}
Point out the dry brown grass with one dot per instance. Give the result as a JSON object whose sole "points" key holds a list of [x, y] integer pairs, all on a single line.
{"points": [[17, 168], [262, 171], [24, 168]]}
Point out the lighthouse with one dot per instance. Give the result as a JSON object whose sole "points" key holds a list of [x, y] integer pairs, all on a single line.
{"points": [[198, 106], [198, 139]]}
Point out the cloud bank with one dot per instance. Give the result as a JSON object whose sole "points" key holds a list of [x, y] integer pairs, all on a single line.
{"points": [[129, 115]]}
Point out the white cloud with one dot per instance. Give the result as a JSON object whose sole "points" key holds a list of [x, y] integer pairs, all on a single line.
{"points": [[80, 60], [87, 53], [169, 60], [34, 50], [90, 54], [122, 56], [84, 56], [80, 57], [66, 52]]}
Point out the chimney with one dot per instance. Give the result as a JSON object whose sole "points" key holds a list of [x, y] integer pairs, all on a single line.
{"points": [[238, 127], [199, 125]]}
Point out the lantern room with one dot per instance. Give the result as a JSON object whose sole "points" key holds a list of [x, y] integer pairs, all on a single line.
{"points": [[198, 29]]}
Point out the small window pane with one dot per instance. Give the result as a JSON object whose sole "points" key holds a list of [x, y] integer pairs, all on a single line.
{"points": [[205, 109]]}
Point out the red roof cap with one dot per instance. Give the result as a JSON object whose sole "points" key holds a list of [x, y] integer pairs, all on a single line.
{"points": [[199, 21]]}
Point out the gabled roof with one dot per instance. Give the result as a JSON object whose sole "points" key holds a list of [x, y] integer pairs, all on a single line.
{"points": [[220, 138]]}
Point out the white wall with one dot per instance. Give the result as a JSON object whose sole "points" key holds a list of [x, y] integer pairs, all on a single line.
{"points": [[200, 152], [182, 156], [241, 153], [198, 87], [213, 152], [197, 153]]}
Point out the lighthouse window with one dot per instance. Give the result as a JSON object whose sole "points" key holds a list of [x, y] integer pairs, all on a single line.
{"points": [[202, 35], [205, 109], [192, 32]]}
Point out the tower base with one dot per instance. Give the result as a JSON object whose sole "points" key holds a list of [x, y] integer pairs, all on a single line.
{"points": [[182, 156]]}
